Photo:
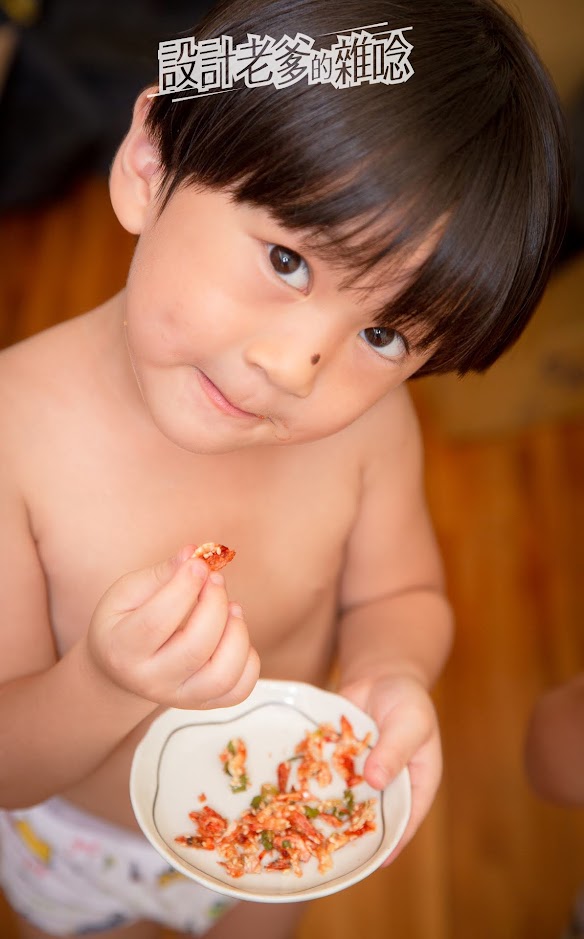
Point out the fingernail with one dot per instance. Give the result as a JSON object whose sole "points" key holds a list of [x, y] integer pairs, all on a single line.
{"points": [[378, 777], [184, 554], [217, 578], [236, 610]]}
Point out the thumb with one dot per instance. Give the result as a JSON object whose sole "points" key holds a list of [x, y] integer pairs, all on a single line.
{"points": [[133, 589]]}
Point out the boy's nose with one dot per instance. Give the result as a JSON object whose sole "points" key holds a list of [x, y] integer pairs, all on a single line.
{"points": [[291, 365]]}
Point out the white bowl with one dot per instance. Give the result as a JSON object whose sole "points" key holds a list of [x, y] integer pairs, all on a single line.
{"points": [[178, 759]]}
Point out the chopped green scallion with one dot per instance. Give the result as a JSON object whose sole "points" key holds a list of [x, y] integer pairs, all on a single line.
{"points": [[349, 800], [267, 840]]}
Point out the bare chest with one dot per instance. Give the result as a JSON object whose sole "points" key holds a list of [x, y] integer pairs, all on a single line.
{"points": [[118, 507]]}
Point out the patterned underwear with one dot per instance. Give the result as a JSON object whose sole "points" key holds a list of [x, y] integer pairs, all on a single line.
{"points": [[71, 873]]}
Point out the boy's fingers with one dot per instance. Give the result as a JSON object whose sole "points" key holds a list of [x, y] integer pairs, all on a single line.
{"points": [[224, 669], [401, 734], [145, 629], [188, 649], [425, 774], [244, 686], [408, 736], [135, 588]]}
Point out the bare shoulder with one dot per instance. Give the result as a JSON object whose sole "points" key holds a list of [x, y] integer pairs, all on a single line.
{"points": [[41, 382], [39, 377], [36, 364], [389, 434]]}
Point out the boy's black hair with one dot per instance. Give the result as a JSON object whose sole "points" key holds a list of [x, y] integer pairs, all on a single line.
{"points": [[471, 150]]}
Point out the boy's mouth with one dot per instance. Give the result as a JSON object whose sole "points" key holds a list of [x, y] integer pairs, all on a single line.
{"points": [[220, 401]]}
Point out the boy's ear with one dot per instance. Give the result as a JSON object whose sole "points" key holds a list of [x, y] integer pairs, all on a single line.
{"points": [[136, 172]]}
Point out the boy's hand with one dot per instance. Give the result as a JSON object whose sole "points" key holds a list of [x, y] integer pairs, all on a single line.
{"points": [[170, 635], [408, 736]]}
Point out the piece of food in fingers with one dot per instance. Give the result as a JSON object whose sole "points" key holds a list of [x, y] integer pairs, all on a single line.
{"points": [[215, 555]]}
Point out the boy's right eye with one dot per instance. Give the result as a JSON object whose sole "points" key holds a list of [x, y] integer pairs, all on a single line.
{"points": [[387, 342], [290, 267]]}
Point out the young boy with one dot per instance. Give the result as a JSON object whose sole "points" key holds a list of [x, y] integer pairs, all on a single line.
{"points": [[302, 252]]}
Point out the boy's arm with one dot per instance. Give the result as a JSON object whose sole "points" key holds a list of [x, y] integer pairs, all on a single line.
{"points": [[393, 582], [58, 720], [396, 624], [554, 751]]}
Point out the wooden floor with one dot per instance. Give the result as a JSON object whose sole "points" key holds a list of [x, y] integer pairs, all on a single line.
{"points": [[490, 862]]}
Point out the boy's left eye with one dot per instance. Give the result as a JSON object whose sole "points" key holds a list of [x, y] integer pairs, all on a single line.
{"points": [[290, 266], [388, 342]]}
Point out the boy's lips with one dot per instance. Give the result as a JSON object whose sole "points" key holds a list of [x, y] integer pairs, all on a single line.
{"points": [[219, 399]]}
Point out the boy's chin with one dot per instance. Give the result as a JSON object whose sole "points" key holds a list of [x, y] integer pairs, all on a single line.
{"points": [[224, 435], [209, 441]]}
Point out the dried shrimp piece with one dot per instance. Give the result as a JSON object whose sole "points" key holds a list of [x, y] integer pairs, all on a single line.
{"points": [[347, 748], [233, 758], [311, 749], [210, 829], [216, 555]]}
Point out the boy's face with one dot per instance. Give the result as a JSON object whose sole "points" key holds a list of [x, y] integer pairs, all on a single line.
{"points": [[236, 341]]}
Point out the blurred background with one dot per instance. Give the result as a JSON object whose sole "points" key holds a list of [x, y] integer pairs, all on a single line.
{"points": [[505, 464]]}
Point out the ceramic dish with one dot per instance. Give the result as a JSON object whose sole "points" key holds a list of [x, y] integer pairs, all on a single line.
{"points": [[178, 760]]}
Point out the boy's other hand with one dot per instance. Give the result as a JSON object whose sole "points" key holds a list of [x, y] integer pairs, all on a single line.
{"points": [[408, 736], [169, 634]]}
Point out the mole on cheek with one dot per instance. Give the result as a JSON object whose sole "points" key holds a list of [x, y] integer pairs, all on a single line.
{"points": [[315, 358]]}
